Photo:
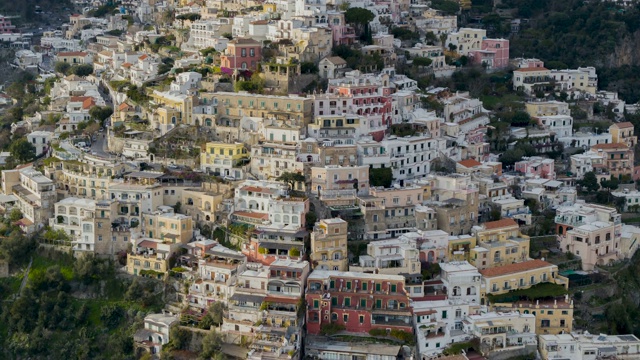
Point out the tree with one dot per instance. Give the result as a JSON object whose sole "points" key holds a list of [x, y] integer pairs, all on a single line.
{"points": [[22, 150], [446, 6], [381, 177], [101, 113], [211, 344], [589, 182], [308, 67], [361, 18], [610, 184], [291, 178], [227, 35], [83, 70], [62, 67], [421, 61]]}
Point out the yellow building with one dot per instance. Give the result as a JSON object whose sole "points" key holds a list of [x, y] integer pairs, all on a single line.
{"points": [[168, 227], [552, 316], [499, 243], [519, 276], [221, 158], [150, 258], [329, 245], [174, 108], [460, 247], [623, 133]]}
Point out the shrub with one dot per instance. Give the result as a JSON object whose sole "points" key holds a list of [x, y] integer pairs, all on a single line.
{"points": [[331, 329]]}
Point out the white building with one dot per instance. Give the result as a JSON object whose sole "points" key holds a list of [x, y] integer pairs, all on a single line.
{"points": [[562, 125], [589, 161], [186, 82], [156, 331], [75, 217], [40, 140], [589, 347]]}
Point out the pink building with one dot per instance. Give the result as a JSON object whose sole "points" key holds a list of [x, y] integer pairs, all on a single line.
{"points": [[5, 25], [343, 34], [242, 54], [494, 53], [367, 95], [537, 166]]}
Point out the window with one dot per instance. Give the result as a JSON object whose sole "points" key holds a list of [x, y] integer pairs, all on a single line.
{"points": [[252, 52], [364, 286], [332, 284], [347, 302], [393, 288], [243, 52], [363, 303], [444, 314], [345, 317], [361, 319], [334, 301], [316, 304], [378, 287]]}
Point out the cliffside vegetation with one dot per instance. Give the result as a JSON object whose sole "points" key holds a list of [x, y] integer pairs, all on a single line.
{"points": [[572, 33]]}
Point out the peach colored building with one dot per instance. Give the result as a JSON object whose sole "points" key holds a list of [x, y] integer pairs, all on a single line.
{"points": [[537, 166], [623, 133], [618, 158], [242, 54]]}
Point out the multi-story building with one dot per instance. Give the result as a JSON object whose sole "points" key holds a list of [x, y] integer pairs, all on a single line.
{"points": [[156, 331], [87, 178], [75, 216], [339, 185], [547, 108], [41, 140], [618, 158], [623, 133], [552, 316], [390, 212], [588, 346], [532, 79], [499, 243], [589, 161], [410, 157], [264, 308], [218, 268], [537, 166], [208, 33], [241, 53], [224, 159], [493, 54], [591, 232], [167, 226], [499, 331], [521, 275], [150, 257], [329, 245], [5, 25], [358, 301], [512, 208], [455, 199], [466, 40], [465, 111], [35, 192], [394, 257], [174, 108], [135, 197]]}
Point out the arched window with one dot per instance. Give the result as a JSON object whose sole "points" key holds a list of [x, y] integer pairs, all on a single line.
{"points": [[457, 291]]}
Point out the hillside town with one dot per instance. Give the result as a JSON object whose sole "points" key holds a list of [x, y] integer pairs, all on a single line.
{"points": [[323, 179]]}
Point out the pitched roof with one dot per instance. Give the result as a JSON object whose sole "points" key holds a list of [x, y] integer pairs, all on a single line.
{"points": [[126, 65], [515, 268], [143, 57], [623, 125], [123, 106], [469, 163], [500, 224], [336, 60]]}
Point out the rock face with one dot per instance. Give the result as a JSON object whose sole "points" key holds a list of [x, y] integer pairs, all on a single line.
{"points": [[626, 52]]}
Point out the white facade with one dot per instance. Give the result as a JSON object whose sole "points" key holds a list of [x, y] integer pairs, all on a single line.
{"points": [[562, 125], [589, 347], [75, 217], [40, 140]]}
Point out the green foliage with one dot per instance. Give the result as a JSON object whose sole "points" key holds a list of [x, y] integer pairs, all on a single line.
{"points": [[329, 329], [401, 335], [308, 67], [611, 184], [254, 85], [405, 34], [111, 315], [356, 60], [214, 315], [100, 113], [103, 10], [380, 177], [137, 94], [446, 6], [294, 252], [227, 35], [22, 150], [114, 32], [211, 344], [82, 70], [589, 182], [291, 178], [62, 67], [190, 17], [544, 290], [421, 61]]}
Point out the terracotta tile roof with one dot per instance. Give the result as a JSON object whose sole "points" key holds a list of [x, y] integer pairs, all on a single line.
{"points": [[257, 189], [79, 98], [126, 65], [469, 163], [515, 268], [148, 244], [624, 125], [609, 146], [143, 57], [88, 103], [123, 106], [500, 224], [530, 69]]}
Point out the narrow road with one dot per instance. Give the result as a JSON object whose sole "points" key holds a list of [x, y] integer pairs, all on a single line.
{"points": [[99, 147], [24, 279]]}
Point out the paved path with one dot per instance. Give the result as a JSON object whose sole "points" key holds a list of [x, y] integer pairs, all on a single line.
{"points": [[24, 279]]}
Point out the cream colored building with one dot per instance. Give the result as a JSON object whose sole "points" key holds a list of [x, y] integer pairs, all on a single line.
{"points": [[552, 316], [329, 245], [339, 185], [167, 226], [522, 275], [499, 243], [623, 132], [393, 257], [35, 192]]}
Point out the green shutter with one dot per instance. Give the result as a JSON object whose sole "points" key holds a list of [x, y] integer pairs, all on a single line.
{"points": [[393, 288], [332, 284], [378, 287], [378, 304], [316, 304], [363, 303], [348, 284], [347, 302], [334, 301], [364, 286]]}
